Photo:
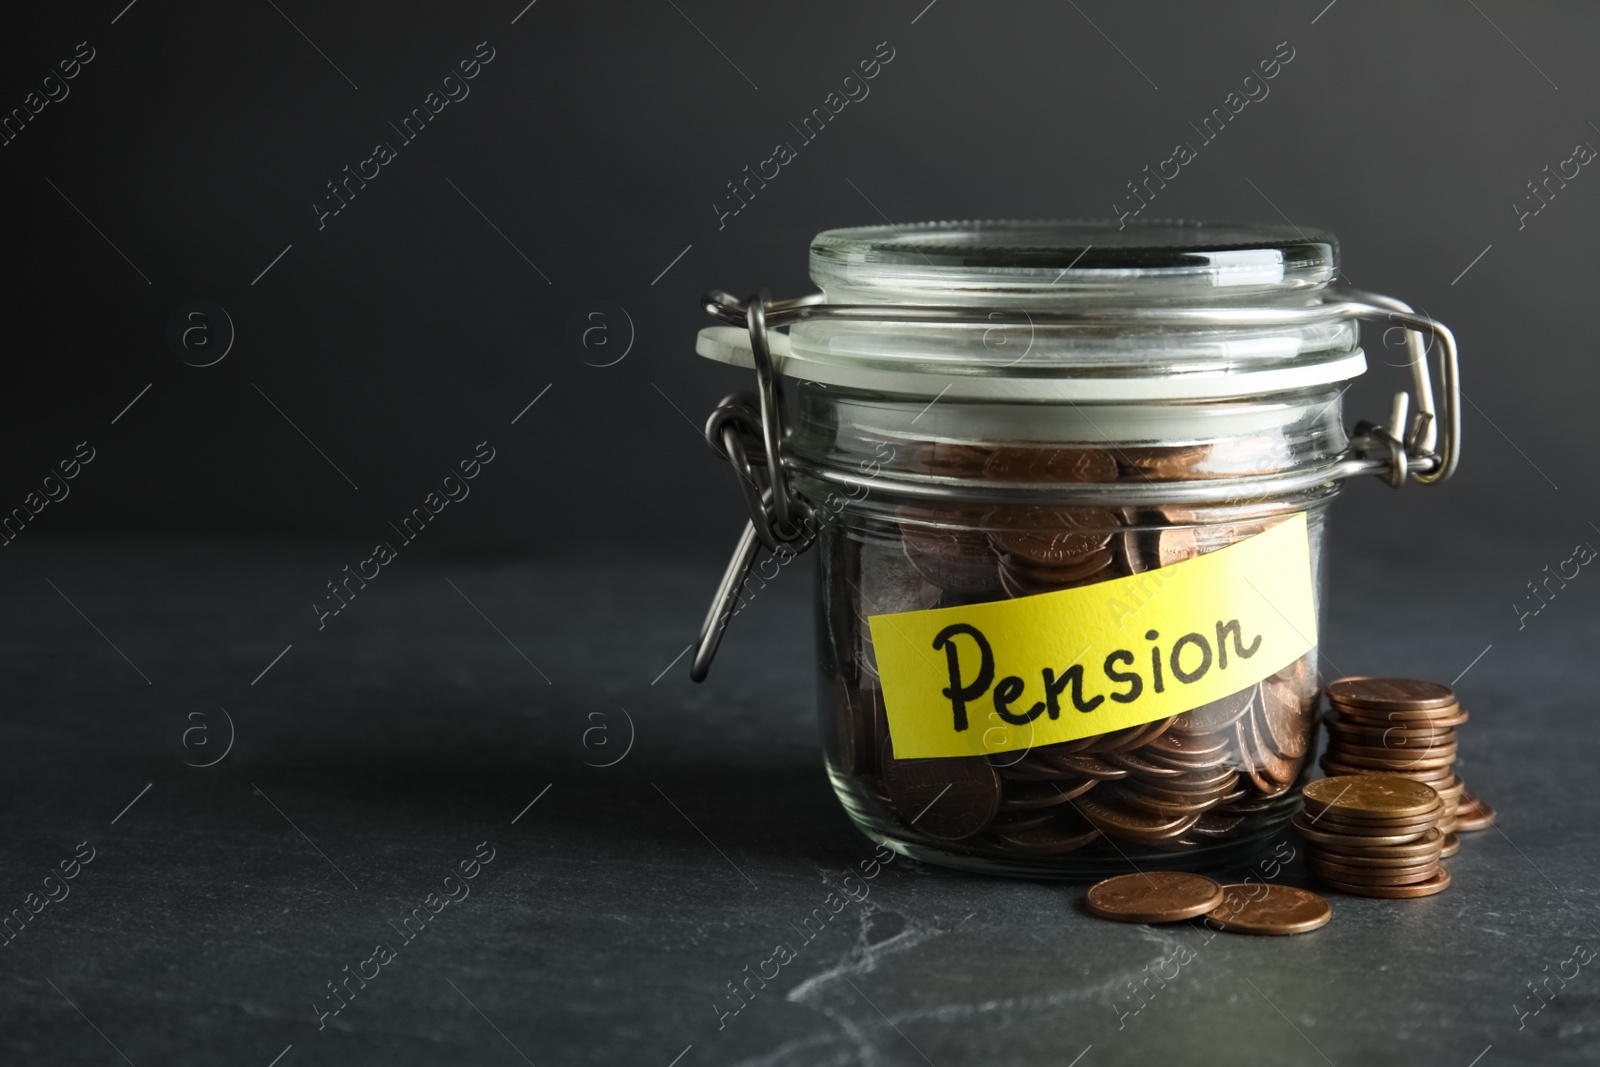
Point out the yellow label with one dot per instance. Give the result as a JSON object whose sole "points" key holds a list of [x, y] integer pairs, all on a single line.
{"points": [[1014, 674]]}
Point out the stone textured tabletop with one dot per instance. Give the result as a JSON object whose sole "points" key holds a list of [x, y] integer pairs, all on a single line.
{"points": [[433, 755]]}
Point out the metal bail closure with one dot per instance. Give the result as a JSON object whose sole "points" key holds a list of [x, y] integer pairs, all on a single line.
{"points": [[1426, 445], [748, 430]]}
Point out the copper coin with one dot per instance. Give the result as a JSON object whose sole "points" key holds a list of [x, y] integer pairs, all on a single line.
{"points": [[1156, 897], [1399, 761], [1121, 821], [1158, 805], [1220, 758], [1064, 833], [1072, 571], [1021, 579], [1115, 741], [1211, 538], [1133, 737], [1395, 748], [1213, 825], [1416, 871], [1426, 845], [1246, 802], [1211, 790], [1209, 783], [946, 459], [1411, 720], [1011, 822], [1390, 731], [1286, 726], [1136, 549], [957, 560], [1403, 766], [1335, 840], [1138, 765], [1252, 763], [1188, 746], [1342, 721], [1027, 769], [1436, 884], [1051, 536], [1274, 766], [1473, 814], [1270, 910], [1081, 744], [1209, 718], [1083, 764], [1149, 550], [948, 798], [1302, 675], [1032, 767], [1024, 796], [1048, 465], [1166, 462], [1374, 796], [1452, 845], [1175, 546], [1331, 824], [1376, 859], [1342, 745], [1391, 694], [1337, 768], [1353, 757]]}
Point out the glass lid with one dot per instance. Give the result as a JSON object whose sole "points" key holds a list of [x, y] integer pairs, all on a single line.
{"points": [[1032, 261]]}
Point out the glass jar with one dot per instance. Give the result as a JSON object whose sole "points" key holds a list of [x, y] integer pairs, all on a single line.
{"points": [[1069, 485]]}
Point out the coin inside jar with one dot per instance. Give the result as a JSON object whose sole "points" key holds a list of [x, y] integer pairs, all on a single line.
{"points": [[949, 798], [1153, 897], [1119, 820], [954, 559], [1050, 537], [1043, 465], [1270, 910], [1209, 718], [1063, 833]]}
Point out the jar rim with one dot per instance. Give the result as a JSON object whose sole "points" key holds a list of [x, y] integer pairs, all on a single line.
{"points": [[1064, 259]]}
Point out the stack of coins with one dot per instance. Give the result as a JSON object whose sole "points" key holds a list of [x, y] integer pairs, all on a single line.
{"points": [[1172, 785], [1374, 835], [1401, 726]]}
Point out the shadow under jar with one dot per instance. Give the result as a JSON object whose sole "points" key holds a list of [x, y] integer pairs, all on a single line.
{"points": [[1023, 667]]}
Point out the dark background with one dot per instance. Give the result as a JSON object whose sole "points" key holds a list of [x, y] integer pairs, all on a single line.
{"points": [[449, 706], [408, 329]]}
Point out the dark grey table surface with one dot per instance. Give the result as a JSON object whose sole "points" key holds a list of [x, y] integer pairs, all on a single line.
{"points": [[374, 756]]}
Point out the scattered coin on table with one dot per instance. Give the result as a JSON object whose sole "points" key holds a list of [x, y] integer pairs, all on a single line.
{"points": [[1156, 897]]}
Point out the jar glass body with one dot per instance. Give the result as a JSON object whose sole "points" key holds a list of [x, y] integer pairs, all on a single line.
{"points": [[1201, 790], [1022, 422]]}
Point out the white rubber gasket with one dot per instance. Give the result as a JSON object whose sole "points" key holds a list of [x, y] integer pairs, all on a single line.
{"points": [[731, 345]]}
